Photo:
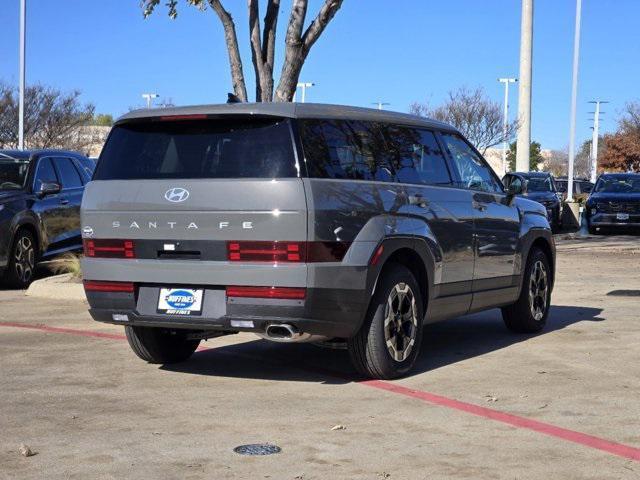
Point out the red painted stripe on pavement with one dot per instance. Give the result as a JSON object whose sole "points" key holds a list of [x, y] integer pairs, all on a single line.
{"points": [[68, 331], [579, 438], [514, 420]]}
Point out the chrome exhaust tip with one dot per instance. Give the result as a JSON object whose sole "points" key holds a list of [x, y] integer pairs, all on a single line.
{"points": [[286, 333]]}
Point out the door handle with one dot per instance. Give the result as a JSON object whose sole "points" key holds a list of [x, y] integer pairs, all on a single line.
{"points": [[64, 201], [480, 206], [418, 199]]}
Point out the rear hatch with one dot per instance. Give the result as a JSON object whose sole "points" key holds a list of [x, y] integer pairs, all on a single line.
{"points": [[190, 188]]}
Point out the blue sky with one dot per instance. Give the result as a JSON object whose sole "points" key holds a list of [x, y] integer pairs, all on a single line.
{"points": [[397, 52]]}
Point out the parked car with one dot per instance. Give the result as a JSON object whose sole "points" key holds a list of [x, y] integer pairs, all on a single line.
{"points": [[541, 187], [581, 188], [614, 202], [303, 222], [40, 196]]}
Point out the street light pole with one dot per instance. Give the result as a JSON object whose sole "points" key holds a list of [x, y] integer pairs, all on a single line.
{"points": [[524, 96], [574, 98], [380, 104], [148, 97], [21, 86], [505, 120], [594, 141], [304, 86]]}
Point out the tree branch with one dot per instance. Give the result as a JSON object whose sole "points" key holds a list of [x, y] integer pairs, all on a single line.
{"points": [[298, 45], [235, 62], [318, 25], [256, 48]]}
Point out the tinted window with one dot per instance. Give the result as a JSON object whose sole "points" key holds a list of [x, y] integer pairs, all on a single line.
{"points": [[45, 173], [86, 166], [69, 176], [619, 184], [13, 173], [539, 184], [415, 156], [474, 173], [345, 149], [198, 149]]}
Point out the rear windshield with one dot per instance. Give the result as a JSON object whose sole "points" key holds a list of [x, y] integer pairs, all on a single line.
{"points": [[227, 148]]}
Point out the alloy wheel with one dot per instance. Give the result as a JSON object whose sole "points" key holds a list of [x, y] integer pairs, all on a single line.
{"points": [[401, 322], [24, 257], [538, 288]]}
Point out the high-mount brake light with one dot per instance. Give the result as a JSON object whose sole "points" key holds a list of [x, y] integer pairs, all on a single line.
{"points": [[282, 293], [169, 118], [100, 286], [109, 248], [283, 251]]}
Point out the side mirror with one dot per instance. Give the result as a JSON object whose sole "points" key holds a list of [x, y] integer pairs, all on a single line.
{"points": [[516, 185], [49, 188]]}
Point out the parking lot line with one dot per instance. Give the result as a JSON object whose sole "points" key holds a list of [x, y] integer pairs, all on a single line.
{"points": [[591, 441]]}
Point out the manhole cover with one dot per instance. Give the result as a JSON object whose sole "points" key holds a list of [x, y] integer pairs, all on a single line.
{"points": [[624, 293], [257, 449]]}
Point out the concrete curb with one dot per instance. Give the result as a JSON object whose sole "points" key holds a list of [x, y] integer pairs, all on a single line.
{"points": [[57, 287]]}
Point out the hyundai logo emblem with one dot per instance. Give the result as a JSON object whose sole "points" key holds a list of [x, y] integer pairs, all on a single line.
{"points": [[176, 194]]}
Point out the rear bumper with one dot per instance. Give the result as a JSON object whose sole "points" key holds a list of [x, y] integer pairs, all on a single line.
{"points": [[326, 312]]}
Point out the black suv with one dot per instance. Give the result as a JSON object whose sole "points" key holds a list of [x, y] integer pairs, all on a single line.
{"points": [[40, 196], [541, 187], [614, 202]]}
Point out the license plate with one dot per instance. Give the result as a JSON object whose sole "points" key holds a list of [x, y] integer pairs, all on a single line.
{"points": [[180, 301], [622, 216]]}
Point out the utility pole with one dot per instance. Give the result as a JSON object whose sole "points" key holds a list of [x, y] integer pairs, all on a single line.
{"points": [[574, 98], [21, 86], [524, 95], [594, 141], [304, 86], [505, 120], [148, 97], [380, 104]]}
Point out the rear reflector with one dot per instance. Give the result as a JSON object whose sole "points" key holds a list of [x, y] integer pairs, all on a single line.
{"points": [[285, 293], [376, 256], [109, 248], [100, 286], [283, 251]]}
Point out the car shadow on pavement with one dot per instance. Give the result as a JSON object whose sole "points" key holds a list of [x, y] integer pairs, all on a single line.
{"points": [[444, 343]]}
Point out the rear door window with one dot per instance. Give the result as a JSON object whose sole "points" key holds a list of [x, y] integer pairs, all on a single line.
{"points": [[345, 149], [44, 174], [69, 176], [416, 157], [209, 148]]}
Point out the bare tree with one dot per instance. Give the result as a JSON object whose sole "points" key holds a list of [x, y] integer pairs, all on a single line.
{"points": [[473, 113], [629, 122], [52, 119], [298, 42]]}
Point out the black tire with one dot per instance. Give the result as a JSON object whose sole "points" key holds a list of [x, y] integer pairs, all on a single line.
{"points": [[23, 257], [159, 345], [592, 230], [519, 317], [368, 349]]}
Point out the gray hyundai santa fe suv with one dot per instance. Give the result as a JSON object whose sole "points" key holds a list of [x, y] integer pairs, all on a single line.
{"points": [[303, 222]]}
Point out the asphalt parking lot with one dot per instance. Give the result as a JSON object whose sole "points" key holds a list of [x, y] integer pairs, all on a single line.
{"points": [[482, 403]]}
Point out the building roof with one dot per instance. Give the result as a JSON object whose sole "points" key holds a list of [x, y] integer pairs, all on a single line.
{"points": [[291, 110]]}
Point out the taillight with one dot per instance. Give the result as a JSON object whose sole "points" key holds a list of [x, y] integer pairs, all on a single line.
{"points": [[109, 248], [282, 251], [100, 286], [266, 251], [285, 293]]}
